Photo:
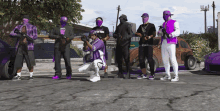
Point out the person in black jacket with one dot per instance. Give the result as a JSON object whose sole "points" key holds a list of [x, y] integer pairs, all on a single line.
{"points": [[146, 31], [63, 35], [123, 35]]}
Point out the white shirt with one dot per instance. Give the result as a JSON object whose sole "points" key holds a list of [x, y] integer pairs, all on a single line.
{"points": [[175, 33]]}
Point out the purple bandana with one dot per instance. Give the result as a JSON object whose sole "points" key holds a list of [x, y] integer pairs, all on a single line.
{"points": [[98, 23], [166, 15], [145, 19], [25, 21], [63, 21]]}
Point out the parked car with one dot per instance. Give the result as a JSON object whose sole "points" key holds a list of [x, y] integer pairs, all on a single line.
{"points": [[184, 55], [212, 62], [7, 57]]}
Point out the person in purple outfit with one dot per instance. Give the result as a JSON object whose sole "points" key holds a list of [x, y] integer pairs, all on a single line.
{"points": [[169, 32], [26, 34], [98, 57], [103, 32], [63, 34]]}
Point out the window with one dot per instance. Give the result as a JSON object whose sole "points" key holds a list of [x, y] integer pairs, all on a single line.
{"points": [[183, 44], [177, 45], [156, 41]]}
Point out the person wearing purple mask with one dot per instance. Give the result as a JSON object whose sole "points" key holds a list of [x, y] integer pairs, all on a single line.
{"points": [[63, 34], [169, 41], [103, 33], [25, 34], [147, 32]]}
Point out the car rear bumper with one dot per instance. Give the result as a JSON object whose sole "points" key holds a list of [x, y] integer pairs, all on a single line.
{"points": [[210, 67]]}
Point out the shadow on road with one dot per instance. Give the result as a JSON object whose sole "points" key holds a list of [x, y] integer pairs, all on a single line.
{"points": [[201, 72]]}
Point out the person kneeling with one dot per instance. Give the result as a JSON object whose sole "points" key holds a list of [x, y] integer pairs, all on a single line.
{"points": [[98, 57]]}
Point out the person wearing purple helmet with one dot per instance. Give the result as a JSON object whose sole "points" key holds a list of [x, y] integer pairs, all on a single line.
{"points": [[169, 32], [26, 34], [103, 33], [98, 57], [63, 34], [146, 31]]}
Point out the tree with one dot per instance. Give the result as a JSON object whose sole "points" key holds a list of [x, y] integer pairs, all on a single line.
{"points": [[40, 12]]}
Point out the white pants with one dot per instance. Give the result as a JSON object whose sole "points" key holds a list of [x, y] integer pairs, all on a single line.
{"points": [[169, 51], [96, 65]]}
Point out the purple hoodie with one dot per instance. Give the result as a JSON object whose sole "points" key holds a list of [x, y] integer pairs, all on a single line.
{"points": [[97, 45]]}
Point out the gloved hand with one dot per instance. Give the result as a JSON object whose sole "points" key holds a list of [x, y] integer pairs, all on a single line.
{"points": [[84, 38], [17, 31], [117, 35]]}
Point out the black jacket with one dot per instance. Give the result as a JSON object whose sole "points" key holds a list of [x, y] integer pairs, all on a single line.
{"points": [[124, 30], [55, 34]]}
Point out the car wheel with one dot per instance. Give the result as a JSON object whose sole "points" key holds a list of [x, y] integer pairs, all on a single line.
{"points": [[190, 63], [8, 70], [148, 66]]}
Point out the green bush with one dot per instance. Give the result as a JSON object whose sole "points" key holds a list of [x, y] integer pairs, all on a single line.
{"points": [[79, 52], [201, 44]]}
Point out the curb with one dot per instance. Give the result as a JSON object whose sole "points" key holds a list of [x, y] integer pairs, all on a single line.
{"points": [[62, 60]]}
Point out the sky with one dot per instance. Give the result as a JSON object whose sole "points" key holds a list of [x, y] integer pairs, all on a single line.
{"points": [[187, 12]]}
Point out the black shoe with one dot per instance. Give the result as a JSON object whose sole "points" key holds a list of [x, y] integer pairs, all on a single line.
{"points": [[119, 75], [105, 75], [31, 78], [127, 76]]}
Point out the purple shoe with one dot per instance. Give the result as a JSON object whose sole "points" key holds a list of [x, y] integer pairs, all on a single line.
{"points": [[55, 77], [68, 77], [151, 77]]}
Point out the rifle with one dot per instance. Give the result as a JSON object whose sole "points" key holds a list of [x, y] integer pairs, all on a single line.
{"points": [[165, 34]]}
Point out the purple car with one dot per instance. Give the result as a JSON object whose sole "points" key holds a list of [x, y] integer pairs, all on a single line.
{"points": [[212, 62], [7, 57]]}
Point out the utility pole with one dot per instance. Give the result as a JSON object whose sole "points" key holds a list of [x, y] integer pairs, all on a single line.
{"points": [[118, 8], [204, 9], [213, 5]]}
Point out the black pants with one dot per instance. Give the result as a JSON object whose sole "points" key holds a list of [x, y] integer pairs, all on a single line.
{"points": [[123, 52], [66, 56], [146, 51], [21, 54]]}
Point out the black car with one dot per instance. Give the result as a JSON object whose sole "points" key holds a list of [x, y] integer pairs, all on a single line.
{"points": [[7, 58]]}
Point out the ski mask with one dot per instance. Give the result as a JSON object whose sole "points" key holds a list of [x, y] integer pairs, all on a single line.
{"points": [[123, 18], [145, 18], [99, 21], [166, 15], [63, 21], [25, 19]]}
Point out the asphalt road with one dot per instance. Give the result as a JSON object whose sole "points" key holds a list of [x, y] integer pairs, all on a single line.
{"points": [[196, 91]]}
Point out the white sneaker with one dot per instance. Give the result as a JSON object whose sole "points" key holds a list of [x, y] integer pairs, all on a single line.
{"points": [[95, 79], [166, 77], [17, 78], [175, 79]]}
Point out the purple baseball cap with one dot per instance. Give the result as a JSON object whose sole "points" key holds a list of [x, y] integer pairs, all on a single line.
{"points": [[92, 32], [145, 15], [167, 12]]}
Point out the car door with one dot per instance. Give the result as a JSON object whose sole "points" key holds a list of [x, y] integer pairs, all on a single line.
{"points": [[3, 52], [183, 50], [178, 53]]}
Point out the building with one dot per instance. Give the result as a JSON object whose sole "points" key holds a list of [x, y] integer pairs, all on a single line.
{"points": [[210, 30]]}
